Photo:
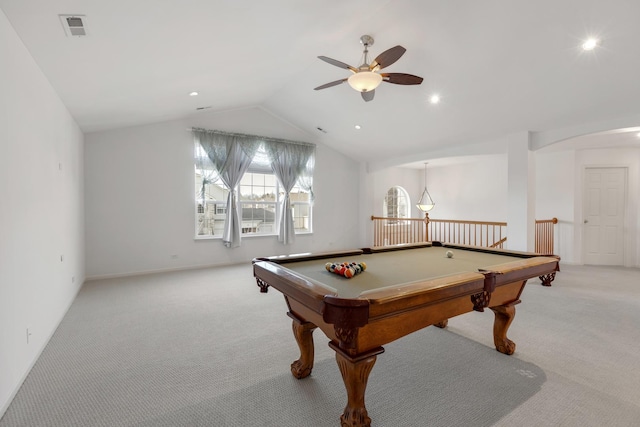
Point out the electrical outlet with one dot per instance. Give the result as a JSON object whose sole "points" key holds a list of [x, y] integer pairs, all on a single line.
{"points": [[28, 335]]}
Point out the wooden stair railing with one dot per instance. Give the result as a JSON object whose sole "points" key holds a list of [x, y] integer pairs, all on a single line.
{"points": [[545, 232], [499, 243], [489, 234], [395, 231]]}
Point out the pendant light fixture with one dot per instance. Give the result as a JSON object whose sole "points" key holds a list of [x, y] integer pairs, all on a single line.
{"points": [[426, 203]]}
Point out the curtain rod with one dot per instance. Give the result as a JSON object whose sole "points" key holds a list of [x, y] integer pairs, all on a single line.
{"points": [[251, 136]]}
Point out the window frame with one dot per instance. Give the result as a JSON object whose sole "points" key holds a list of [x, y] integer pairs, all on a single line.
{"points": [[401, 193], [220, 205]]}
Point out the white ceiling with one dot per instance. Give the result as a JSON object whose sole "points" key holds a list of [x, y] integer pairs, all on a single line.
{"points": [[500, 66]]}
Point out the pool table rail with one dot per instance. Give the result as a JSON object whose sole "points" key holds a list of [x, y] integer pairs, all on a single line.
{"points": [[546, 278], [308, 256], [408, 296], [306, 290]]}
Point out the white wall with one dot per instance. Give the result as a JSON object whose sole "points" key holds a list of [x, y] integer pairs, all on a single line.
{"points": [[139, 193], [411, 180], [475, 188], [460, 190], [556, 186], [521, 192], [373, 189], [41, 213]]}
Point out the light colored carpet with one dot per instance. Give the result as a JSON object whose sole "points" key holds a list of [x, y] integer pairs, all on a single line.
{"points": [[205, 348]]}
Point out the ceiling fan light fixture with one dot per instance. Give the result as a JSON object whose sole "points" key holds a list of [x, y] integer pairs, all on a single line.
{"points": [[364, 81]]}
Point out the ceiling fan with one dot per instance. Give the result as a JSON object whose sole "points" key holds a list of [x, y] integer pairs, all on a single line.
{"points": [[365, 79]]}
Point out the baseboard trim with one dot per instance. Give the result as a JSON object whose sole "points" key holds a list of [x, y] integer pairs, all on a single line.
{"points": [[162, 270]]}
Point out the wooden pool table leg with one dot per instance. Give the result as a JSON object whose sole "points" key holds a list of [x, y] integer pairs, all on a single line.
{"points": [[547, 278], [355, 374], [504, 317], [442, 324], [303, 332]]}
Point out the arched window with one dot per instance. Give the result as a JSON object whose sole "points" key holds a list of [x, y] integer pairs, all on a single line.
{"points": [[396, 203]]}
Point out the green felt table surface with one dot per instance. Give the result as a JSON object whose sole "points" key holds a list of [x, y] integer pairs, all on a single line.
{"points": [[394, 268]]}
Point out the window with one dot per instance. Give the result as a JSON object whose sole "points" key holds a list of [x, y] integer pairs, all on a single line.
{"points": [[211, 203], [301, 204], [396, 203], [259, 199]]}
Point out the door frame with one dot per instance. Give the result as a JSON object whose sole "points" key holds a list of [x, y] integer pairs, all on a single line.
{"points": [[625, 209]]}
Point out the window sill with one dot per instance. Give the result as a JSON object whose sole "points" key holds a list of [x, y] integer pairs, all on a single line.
{"points": [[248, 236]]}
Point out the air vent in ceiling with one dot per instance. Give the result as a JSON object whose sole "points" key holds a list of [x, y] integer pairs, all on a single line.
{"points": [[74, 25]]}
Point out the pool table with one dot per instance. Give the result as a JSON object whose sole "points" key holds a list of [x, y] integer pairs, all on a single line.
{"points": [[403, 289]]}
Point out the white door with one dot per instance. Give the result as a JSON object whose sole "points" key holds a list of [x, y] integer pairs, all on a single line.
{"points": [[604, 205]]}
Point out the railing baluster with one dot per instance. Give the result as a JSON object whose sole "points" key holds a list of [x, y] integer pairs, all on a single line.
{"points": [[393, 231], [545, 235]]}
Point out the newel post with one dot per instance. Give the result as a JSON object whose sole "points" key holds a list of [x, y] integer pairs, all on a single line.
{"points": [[426, 226]]}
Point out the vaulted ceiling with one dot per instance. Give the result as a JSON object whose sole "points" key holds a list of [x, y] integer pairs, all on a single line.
{"points": [[499, 66]]}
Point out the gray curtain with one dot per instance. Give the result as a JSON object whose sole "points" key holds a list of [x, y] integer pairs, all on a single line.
{"points": [[231, 155], [289, 163], [306, 179], [209, 175]]}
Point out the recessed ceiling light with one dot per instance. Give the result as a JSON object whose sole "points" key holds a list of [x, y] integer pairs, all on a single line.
{"points": [[193, 94], [590, 44], [358, 127], [434, 99], [638, 134]]}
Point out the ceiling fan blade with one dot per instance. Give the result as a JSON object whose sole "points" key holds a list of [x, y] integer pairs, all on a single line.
{"points": [[368, 96], [388, 57], [401, 78], [338, 63], [326, 85]]}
